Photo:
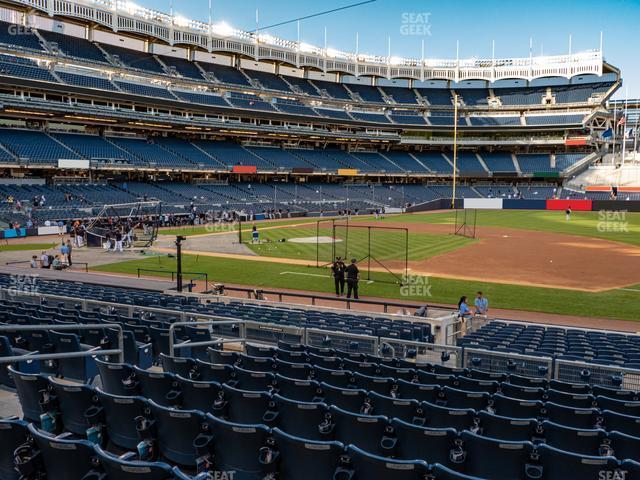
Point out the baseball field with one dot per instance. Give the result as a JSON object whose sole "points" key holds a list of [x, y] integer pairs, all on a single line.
{"points": [[523, 260]]}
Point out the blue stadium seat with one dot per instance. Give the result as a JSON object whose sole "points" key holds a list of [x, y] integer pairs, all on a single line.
{"points": [[622, 423], [506, 428], [433, 445], [82, 369], [177, 365], [62, 458], [349, 399], [440, 472], [198, 395], [456, 398], [571, 417], [623, 407], [28, 387], [119, 414], [515, 408], [254, 381], [302, 419], [559, 465], [402, 409], [238, 448], [582, 441], [214, 372], [125, 468], [14, 433], [160, 387], [176, 431], [443, 417], [303, 458], [241, 406], [301, 390], [372, 467], [335, 378], [370, 432], [417, 391], [73, 401], [495, 459], [625, 447], [117, 378]]}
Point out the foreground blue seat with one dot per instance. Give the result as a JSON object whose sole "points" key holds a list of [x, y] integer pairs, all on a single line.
{"points": [[13, 433], [7, 350], [117, 378], [160, 387], [372, 467], [414, 442], [119, 415], [295, 389], [440, 472], [560, 465], [82, 368], [73, 401], [214, 372], [505, 428], [238, 448], [575, 440], [349, 399], [572, 417], [301, 419], [622, 423], [515, 408], [308, 459], [68, 459], [417, 391], [125, 468], [197, 395], [176, 431], [625, 447], [28, 387], [495, 459], [241, 406], [403, 409], [443, 417], [369, 432]]}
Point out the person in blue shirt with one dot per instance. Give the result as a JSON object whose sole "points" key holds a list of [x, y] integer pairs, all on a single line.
{"points": [[463, 308], [255, 235], [482, 304]]}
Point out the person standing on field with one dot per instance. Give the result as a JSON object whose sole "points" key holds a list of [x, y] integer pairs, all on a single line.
{"points": [[338, 269], [353, 277]]}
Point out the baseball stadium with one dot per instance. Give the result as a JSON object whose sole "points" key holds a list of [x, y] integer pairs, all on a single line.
{"points": [[230, 254]]}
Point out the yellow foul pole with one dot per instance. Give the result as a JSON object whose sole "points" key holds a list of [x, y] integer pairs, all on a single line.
{"points": [[455, 149]]}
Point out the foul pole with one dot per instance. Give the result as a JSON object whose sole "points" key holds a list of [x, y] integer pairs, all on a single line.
{"points": [[455, 149]]}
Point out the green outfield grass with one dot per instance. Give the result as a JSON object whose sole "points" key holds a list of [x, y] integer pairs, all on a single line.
{"points": [[615, 304], [587, 224], [382, 243], [189, 230], [16, 247]]}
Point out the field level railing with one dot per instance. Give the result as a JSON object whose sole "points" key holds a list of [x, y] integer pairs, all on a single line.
{"points": [[241, 330], [94, 352]]}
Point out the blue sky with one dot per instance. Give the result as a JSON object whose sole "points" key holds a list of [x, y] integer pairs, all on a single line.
{"points": [[475, 24]]}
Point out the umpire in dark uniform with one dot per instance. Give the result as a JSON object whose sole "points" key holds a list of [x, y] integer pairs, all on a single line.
{"points": [[353, 277], [338, 269]]}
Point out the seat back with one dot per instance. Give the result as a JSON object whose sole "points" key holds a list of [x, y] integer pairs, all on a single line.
{"points": [[119, 414]]}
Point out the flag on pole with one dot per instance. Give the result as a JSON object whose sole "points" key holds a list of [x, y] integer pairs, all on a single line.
{"points": [[622, 121]]}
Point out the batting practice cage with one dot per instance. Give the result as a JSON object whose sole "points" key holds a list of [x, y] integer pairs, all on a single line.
{"points": [[382, 253], [138, 223], [465, 223]]}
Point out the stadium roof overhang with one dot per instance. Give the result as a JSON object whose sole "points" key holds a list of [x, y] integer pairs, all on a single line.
{"points": [[128, 18]]}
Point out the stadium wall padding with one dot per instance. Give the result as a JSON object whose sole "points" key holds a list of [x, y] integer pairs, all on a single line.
{"points": [[630, 206], [483, 203], [524, 204], [576, 205]]}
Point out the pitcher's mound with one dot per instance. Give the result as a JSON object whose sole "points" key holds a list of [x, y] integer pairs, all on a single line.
{"points": [[314, 240]]}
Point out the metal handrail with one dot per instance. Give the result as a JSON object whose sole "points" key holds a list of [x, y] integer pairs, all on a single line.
{"points": [[54, 356], [172, 329]]}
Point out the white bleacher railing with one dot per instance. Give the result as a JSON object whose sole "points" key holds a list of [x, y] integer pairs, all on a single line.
{"points": [[126, 16]]}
